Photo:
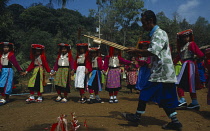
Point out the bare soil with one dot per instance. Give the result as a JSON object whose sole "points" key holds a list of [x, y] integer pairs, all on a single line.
{"points": [[19, 116]]}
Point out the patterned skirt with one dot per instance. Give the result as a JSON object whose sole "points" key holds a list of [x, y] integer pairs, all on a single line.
{"points": [[132, 77], [62, 79], [6, 80], [113, 78]]}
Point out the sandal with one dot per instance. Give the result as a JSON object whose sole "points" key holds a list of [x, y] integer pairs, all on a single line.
{"points": [[115, 100], [39, 99], [2, 102], [64, 100], [58, 99], [111, 101], [30, 100]]}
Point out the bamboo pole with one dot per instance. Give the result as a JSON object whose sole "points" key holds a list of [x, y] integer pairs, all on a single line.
{"points": [[109, 43]]}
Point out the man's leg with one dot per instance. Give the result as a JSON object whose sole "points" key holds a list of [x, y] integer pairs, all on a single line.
{"points": [[169, 102], [140, 110], [174, 124]]}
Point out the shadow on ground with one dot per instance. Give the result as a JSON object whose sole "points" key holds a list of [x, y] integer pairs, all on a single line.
{"points": [[144, 121]]}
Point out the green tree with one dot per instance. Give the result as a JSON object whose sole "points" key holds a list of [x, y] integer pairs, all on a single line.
{"points": [[3, 5], [184, 25], [201, 31], [39, 17], [15, 10], [5, 21], [117, 16], [172, 27]]}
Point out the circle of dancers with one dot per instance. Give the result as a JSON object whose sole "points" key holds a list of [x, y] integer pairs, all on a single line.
{"points": [[152, 71]]}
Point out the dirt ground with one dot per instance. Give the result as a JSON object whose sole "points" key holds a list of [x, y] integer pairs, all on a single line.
{"points": [[19, 116]]}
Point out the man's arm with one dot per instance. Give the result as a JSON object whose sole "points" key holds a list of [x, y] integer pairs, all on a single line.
{"points": [[144, 53]]}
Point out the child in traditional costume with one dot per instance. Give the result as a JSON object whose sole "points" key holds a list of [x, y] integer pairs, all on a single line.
{"points": [[144, 71], [38, 63], [112, 66], [188, 79], [131, 72], [63, 69], [8, 59], [82, 68], [94, 83]]}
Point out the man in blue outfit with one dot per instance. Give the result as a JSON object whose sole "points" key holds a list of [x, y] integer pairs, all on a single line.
{"points": [[162, 89]]}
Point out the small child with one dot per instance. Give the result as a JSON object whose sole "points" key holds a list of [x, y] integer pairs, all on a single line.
{"points": [[38, 63], [144, 71], [63, 69], [112, 62], [94, 83], [186, 80], [82, 68], [131, 74], [7, 59]]}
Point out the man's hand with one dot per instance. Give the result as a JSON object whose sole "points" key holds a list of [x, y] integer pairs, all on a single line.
{"points": [[138, 52], [132, 50]]}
